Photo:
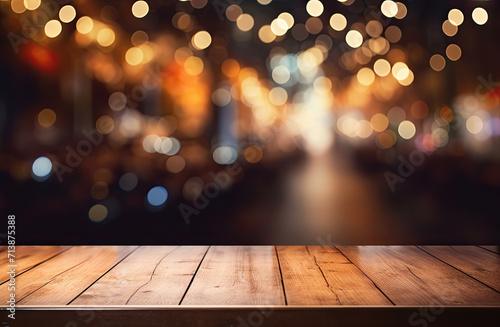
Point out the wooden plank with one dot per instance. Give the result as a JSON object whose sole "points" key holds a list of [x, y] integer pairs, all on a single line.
{"points": [[409, 276], [152, 275], [237, 275], [61, 279], [472, 260], [317, 275], [27, 257], [492, 248]]}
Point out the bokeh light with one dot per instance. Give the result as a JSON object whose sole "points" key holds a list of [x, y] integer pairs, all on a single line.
{"points": [[382, 67], [314, 25], [287, 18], [47, 117], [201, 40], [84, 25], [128, 181], [233, 12], [245, 22], [400, 71], [406, 129], [198, 4], [314, 8], [18, 6], [106, 37], [99, 190], [449, 28], [193, 65], [419, 109], [98, 213], [354, 39], [176, 164], [402, 10], [379, 122], [389, 8], [225, 155], [453, 52], [221, 97], [480, 16], [278, 96], [338, 22], [365, 76], [437, 62], [140, 9], [67, 14], [456, 17], [281, 74], [42, 167], [266, 34], [474, 124], [32, 4], [386, 139], [253, 154], [139, 38], [117, 101], [53, 28], [134, 56], [157, 196], [374, 28], [105, 124], [230, 68]]}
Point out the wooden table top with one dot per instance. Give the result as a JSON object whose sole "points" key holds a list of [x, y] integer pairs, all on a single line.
{"points": [[255, 275]]}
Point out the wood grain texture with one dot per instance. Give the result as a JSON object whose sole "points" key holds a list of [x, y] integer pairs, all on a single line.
{"points": [[252, 275], [474, 261], [409, 276], [61, 279], [492, 248], [27, 257], [237, 275], [152, 275], [317, 275]]}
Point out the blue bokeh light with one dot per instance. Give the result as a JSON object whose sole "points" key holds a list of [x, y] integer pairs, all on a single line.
{"points": [[157, 196], [42, 167]]}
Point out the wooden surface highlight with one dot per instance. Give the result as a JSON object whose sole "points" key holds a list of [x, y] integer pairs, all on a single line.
{"points": [[409, 276], [237, 275], [255, 276]]}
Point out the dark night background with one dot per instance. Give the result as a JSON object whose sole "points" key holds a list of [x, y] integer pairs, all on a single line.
{"points": [[290, 195]]}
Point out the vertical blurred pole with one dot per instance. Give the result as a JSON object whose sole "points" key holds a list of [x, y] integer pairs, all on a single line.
{"points": [[227, 122], [152, 102], [82, 99]]}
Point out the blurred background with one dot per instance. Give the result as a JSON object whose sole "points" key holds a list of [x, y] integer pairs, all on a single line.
{"points": [[250, 121]]}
